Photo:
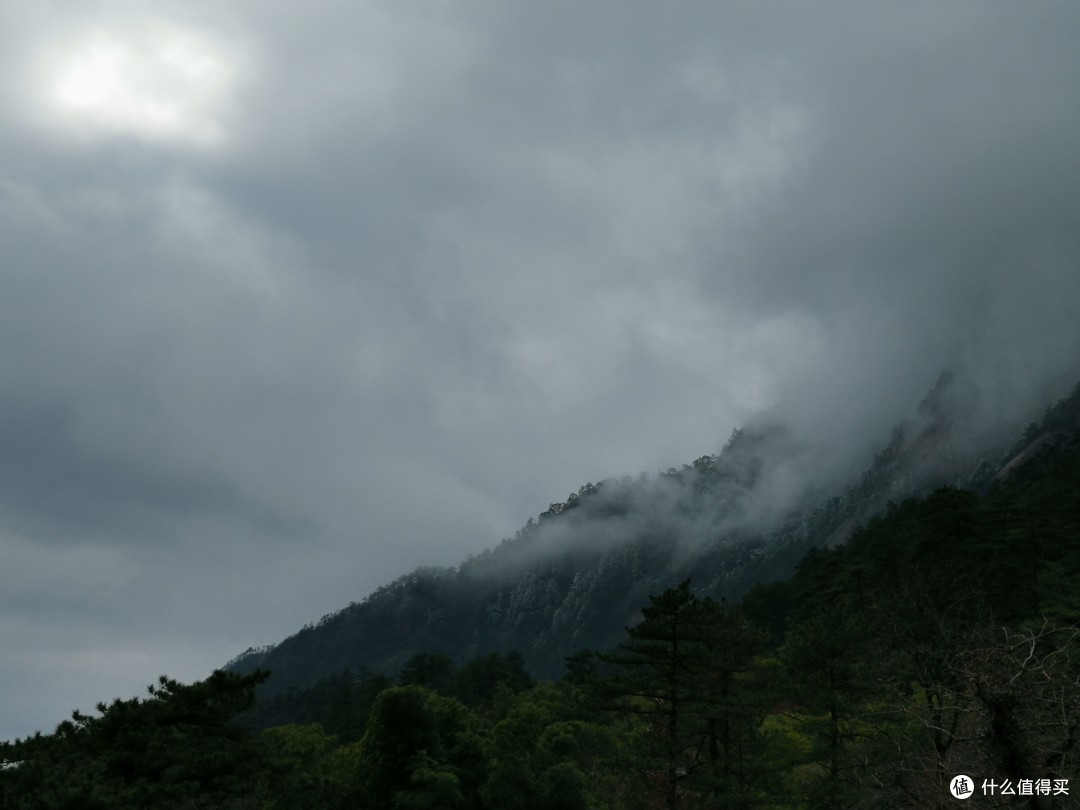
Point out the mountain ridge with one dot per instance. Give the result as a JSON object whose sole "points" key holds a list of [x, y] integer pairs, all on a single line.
{"points": [[575, 576]]}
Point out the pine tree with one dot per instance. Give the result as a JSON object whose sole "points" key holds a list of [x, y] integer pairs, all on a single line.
{"points": [[679, 672]]}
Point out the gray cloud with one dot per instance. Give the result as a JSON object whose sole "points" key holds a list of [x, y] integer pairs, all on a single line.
{"points": [[363, 287]]}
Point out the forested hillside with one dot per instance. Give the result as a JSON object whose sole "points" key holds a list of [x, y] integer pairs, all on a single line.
{"points": [[577, 575], [943, 638]]}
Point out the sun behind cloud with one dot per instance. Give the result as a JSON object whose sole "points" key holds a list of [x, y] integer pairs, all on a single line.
{"points": [[154, 81]]}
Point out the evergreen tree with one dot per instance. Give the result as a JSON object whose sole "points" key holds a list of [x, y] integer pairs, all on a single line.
{"points": [[414, 751], [823, 656], [178, 748], [679, 672], [730, 708]]}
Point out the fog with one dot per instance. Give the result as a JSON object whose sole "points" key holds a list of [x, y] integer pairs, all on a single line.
{"points": [[293, 302]]}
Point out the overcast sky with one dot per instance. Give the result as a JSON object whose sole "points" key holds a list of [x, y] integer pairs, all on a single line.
{"points": [[296, 297]]}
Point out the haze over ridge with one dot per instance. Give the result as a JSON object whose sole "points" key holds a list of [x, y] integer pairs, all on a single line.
{"points": [[293, 303]]}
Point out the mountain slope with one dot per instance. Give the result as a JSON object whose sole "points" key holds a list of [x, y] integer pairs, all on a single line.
{"points": [[576, 576]]}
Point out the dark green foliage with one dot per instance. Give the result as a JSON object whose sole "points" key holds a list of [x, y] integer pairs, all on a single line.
{"points": [[402, 736], [415, 750], [178, 748], [680, 672], [480, 679], [304, 768], [340, 705], [433, 671], [541, 754], [936, 640], [825, 657], [581, 667], [769, 607]]}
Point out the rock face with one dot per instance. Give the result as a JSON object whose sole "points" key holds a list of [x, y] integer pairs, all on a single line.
{"points": [[579, 574]]}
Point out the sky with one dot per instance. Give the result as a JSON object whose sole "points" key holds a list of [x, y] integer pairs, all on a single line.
{"points": [[295, 298]]}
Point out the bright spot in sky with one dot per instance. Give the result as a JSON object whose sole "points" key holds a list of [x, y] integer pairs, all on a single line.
{"points": [[157, 81]]}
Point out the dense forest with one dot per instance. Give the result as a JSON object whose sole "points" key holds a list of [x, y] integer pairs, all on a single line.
{"points": [[943, 638]]}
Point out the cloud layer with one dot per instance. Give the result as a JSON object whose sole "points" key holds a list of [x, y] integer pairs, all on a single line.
{"points": [[293, 302]]}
